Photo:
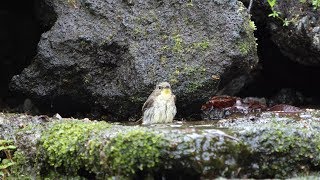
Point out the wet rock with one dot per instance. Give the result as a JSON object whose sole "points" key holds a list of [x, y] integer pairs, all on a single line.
{"points": [[29, 107], [219, 107], [68, 146], [220, 102], [284, 108], [272, 146], [287, 96], [283, 144], [108, 55]]}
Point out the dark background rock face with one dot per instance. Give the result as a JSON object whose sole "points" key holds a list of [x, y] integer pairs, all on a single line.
{"points": [[300, 41], [108, 55], [277, 69]]}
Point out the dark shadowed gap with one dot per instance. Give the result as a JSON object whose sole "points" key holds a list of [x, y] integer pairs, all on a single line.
{"points": [[66, 106], [22, 24]]}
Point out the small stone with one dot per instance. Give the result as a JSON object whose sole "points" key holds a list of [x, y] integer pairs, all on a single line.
{"points": [[316, 29], [21, 125], [57, 116]]}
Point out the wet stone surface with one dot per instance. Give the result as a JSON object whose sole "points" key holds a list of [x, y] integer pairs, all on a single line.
{"points": [[266, 145]]}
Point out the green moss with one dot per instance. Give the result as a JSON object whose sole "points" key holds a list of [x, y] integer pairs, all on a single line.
{"points": [[247, 43], [201, 45], [252, 25], [6, 162], [132, 151], [65, 144], [193, 86], [178, 44], [163, 60], [69, 146], [139, 31], [173, 81], [23, 168], [190, 71], [244, 47], [20, 159]]}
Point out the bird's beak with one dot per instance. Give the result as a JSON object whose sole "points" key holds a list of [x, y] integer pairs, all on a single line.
{"points": [[167, 91]]}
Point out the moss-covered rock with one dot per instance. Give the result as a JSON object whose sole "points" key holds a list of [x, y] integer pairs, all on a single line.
{"points": [[281, 145], [133, 151], [68, 143], [268, 146], [98, 149]]}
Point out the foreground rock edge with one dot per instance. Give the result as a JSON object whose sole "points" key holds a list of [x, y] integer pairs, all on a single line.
{"points": [[83, 148]]}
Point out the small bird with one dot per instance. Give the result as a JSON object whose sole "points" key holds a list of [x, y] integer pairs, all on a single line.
{"points": [[160, 106]]}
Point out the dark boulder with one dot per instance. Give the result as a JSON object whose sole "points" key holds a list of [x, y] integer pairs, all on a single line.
{"points": [[108, 55]]}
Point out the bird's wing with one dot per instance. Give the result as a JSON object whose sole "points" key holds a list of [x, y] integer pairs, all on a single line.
{"points": [[149, 101], [147, 104]]}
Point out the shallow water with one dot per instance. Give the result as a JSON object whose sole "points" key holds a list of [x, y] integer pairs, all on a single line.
{"points": [[234, 120]]}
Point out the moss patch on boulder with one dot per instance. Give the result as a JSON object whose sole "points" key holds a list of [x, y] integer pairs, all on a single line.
{"points": [[67, 144], [133, 151]]}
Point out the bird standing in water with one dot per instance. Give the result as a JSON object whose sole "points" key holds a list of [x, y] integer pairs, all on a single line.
{"points": [[160, 106]]}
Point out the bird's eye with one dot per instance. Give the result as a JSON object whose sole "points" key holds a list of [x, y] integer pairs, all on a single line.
{"points": [[159, 87]]}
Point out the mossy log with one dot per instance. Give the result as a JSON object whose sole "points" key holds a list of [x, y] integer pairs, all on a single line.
{"points": [[264, 148]]}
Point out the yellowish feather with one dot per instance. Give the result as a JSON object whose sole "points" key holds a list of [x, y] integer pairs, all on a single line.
{"points": [[166, 92]]}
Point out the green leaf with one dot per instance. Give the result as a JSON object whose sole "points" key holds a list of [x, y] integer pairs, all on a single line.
{"points": [[2, 141], [7, 147], [315, 4], [11, 147], [6, 161], [274, 14], [272, 3], [286, 22], [5, 166]]}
